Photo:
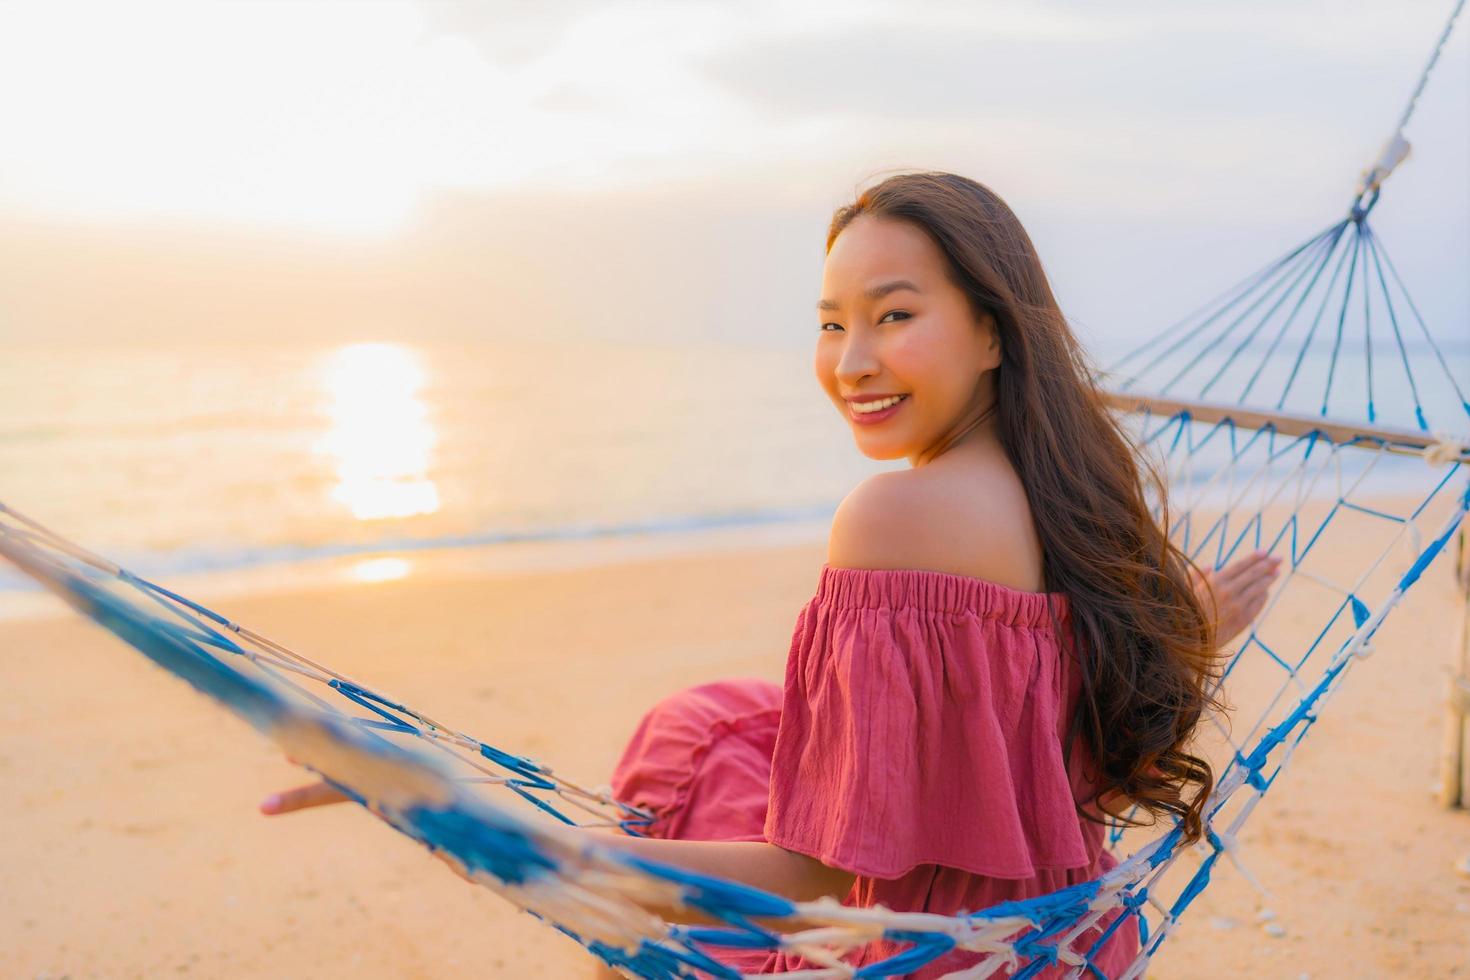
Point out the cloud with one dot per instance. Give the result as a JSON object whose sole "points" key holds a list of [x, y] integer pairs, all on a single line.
{"points": [[511, 33], [983, 67], [351, 116]]}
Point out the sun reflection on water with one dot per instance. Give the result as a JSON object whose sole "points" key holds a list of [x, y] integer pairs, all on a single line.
{"points": [[380, 437], [380, 570]]}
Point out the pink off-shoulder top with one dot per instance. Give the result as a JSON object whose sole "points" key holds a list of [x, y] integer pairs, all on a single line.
{"points": [[920, 744], [917, 741]]}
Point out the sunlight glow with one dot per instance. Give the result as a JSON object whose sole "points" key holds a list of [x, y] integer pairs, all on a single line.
{"points": [[338, 116], [380, 436], [380, 570]]}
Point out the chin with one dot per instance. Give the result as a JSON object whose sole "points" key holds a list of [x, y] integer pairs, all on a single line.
{"points": [[881, 451]]}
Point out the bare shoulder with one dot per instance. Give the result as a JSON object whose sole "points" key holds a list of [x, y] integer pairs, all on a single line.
{"points": [[966, 519]]}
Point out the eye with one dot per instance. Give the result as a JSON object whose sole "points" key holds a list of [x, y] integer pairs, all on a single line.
{"points": [[902, 313]]}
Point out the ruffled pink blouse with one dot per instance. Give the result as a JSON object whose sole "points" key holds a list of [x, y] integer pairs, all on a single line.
{"points": [[920, 746], [917, 742]]}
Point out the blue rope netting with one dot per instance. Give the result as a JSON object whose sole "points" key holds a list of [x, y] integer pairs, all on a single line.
{"points": [[1354, 544], [1301, 495]]}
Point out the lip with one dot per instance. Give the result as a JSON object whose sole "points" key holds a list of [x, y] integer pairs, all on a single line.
{"points": [[864, 399], [874, 418]]}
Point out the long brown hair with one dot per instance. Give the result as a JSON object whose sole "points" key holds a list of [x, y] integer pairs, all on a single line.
{"points": [[1142, 636]]}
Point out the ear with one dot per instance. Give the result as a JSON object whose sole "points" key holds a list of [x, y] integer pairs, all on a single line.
{"points": [[992, 338]]}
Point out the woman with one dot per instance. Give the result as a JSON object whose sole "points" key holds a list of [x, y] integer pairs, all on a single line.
{"points": [[1004, 646]]}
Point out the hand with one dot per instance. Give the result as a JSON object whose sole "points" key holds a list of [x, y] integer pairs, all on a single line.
{"points": [[312, 794], [322, 793], [1239, 592]]}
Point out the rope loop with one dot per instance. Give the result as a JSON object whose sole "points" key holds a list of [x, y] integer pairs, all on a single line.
{"points": [[1446, 449], [1367, 197]]}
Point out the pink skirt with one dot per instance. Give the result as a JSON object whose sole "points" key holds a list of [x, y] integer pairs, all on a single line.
{"points": [[700, 762]]}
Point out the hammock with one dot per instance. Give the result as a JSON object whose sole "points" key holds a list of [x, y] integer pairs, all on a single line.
{"points": [[1242, 473]]}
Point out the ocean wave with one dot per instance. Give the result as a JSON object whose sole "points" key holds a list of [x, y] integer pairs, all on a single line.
{"points": [[192, 561]]}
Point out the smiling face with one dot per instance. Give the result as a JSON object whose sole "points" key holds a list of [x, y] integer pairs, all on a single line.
{"points": [[894, 324]]}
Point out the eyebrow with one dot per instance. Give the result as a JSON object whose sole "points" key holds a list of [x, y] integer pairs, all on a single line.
{"points": [[877, 292]]}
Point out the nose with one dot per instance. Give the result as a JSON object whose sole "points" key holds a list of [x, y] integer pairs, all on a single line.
{"points": [[857, 361]]}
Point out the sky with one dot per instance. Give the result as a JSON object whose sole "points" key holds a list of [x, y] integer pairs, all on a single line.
{"points": [[664, 172]]}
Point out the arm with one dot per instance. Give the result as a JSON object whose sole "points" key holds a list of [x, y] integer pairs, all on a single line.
{"points": [[755, 863]]}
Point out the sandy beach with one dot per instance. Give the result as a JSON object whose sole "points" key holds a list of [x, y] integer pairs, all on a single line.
{"points": [[133, 848]]}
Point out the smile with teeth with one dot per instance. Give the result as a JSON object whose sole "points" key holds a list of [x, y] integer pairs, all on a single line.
{"points": [[863, 408]]}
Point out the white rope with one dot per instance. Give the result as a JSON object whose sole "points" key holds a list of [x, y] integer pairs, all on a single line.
{"points": [[1397, 148], [1446, 449]]}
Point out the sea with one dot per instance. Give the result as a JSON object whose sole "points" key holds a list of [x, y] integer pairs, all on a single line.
{"points": [[202, 457]]}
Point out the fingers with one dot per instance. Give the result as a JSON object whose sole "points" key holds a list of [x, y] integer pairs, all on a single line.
{"points": [[300, 798], [1249, 609], [1256, 570], [1256, 565], [1260, 583], [1254, 600]]}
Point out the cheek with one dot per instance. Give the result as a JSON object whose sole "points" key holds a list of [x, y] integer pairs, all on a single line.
{"points": [[911, 361], [940, 382], [825, 367]]}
